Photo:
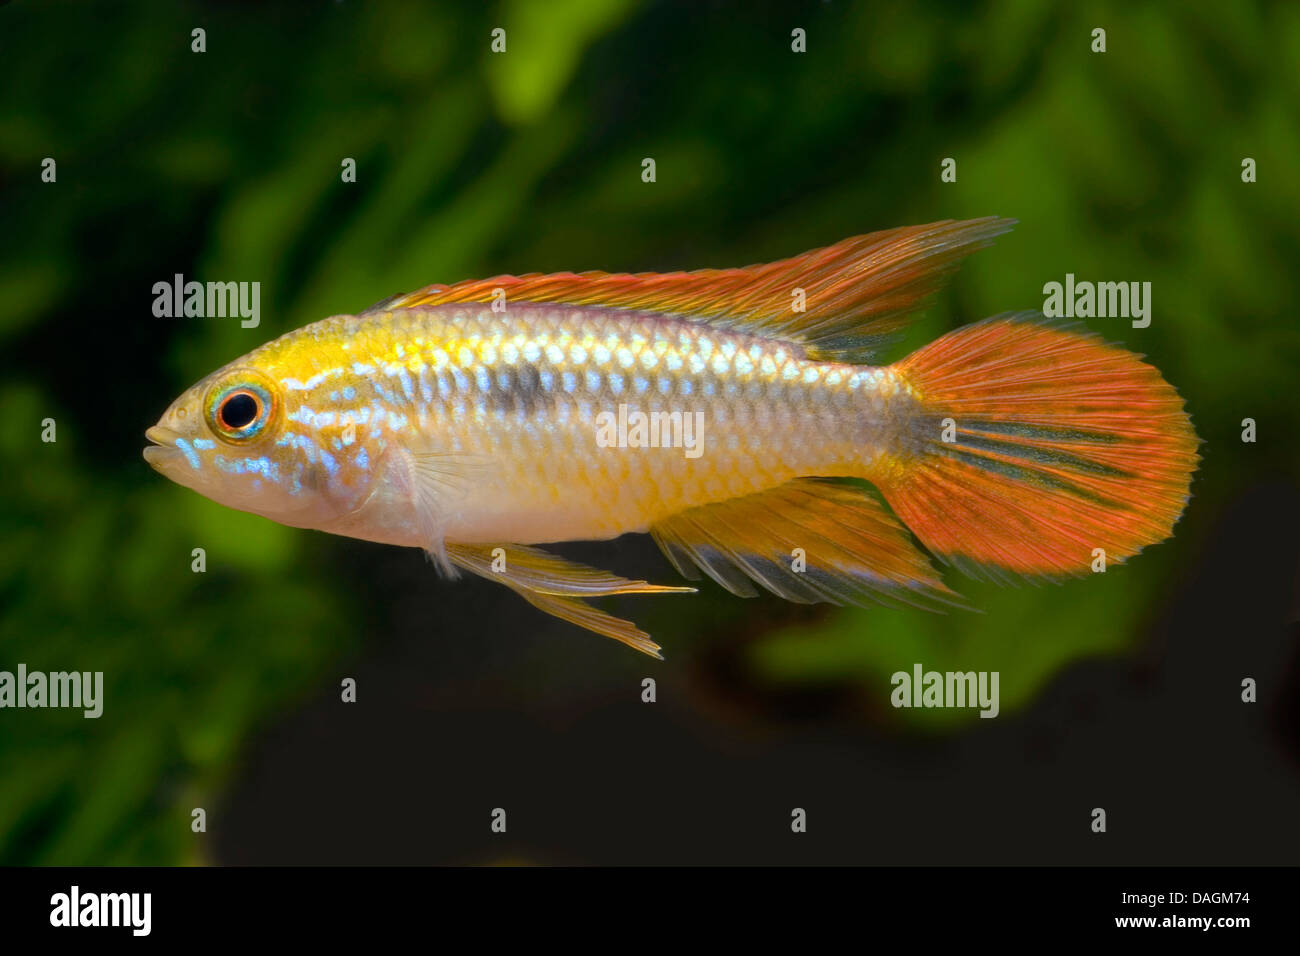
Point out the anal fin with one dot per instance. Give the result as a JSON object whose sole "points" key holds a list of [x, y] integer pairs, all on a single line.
{"points": [[853, 551]]}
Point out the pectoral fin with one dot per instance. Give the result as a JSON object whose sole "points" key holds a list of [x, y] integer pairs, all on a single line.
{"points": [[436, 483]]}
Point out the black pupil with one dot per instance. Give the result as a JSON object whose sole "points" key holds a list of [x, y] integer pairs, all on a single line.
{"points": [[239, 411]]}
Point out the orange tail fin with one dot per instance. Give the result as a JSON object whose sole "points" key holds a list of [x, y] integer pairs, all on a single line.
{"points": [[1038, 443]]}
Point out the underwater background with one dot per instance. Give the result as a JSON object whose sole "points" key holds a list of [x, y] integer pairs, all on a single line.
{"points": [[222, 689]]}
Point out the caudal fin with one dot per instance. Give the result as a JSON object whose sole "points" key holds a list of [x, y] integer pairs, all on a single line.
{"points": [[1036, 444]]}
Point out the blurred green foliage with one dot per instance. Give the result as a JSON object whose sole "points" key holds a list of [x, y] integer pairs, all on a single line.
{"points": [[1123, 165]]}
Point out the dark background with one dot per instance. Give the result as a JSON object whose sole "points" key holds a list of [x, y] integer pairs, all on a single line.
{"points": [[1119, 691]]}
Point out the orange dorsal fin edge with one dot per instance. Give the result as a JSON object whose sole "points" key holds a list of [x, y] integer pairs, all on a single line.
{"points": [[841, 302]]}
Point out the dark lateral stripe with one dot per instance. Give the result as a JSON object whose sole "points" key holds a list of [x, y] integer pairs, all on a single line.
{"points": [[523, 390]]}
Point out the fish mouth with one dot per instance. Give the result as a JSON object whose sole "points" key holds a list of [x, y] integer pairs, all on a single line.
{"points": [[163, 448]]}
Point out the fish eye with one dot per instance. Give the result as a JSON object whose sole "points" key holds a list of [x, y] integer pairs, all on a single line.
{"points": [[240, 411]]}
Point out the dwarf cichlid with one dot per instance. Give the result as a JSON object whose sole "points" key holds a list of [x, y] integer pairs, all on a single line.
{"points": [[719, 410]]}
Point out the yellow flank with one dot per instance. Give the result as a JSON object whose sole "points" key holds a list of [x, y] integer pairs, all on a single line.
{"points": [[555, 423]]}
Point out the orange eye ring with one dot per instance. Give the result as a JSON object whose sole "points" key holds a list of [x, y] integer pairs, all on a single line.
{"points": [[240, 411]]}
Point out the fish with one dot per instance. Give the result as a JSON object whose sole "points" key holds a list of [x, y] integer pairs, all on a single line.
{"points": [[742, 417]]}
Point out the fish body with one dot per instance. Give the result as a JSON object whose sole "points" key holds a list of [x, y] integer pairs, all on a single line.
{"points": [[509, 407], [708, 408]]}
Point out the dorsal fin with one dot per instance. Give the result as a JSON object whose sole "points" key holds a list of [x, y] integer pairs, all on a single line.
{"points": [[855, 293]]}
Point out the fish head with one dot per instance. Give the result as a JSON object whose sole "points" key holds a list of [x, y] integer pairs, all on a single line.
{"points": [[244, 439]]}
